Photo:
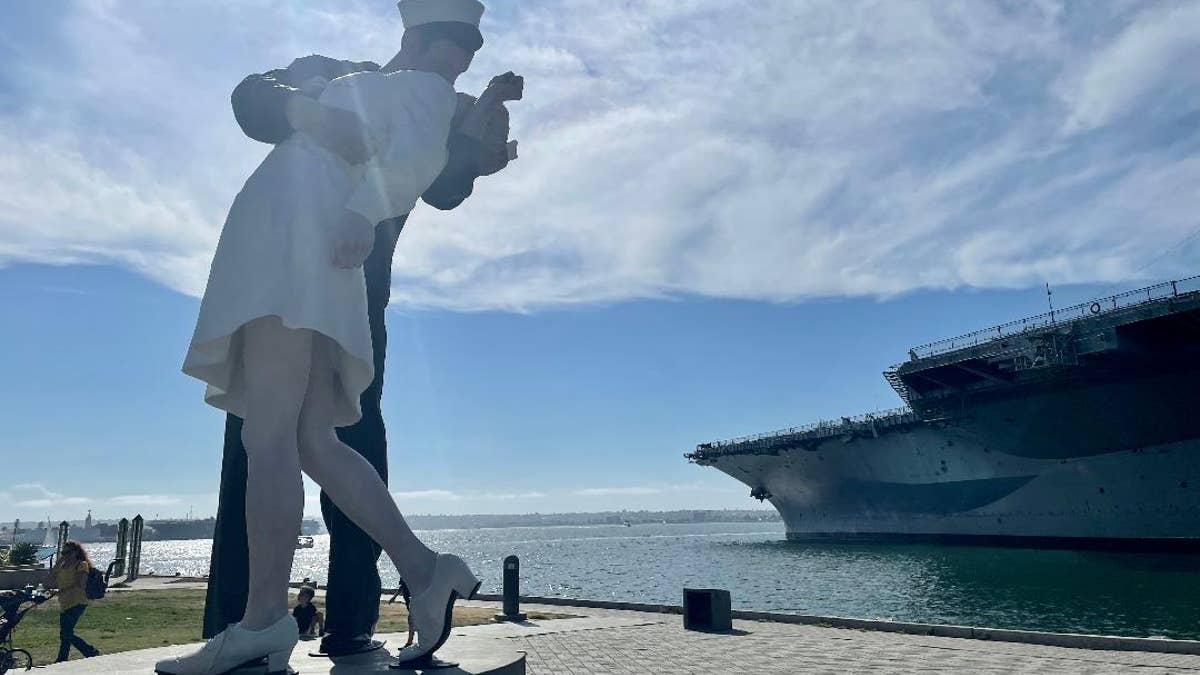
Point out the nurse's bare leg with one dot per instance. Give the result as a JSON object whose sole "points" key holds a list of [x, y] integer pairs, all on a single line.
{"points": [[351, 482], [276, 366]]}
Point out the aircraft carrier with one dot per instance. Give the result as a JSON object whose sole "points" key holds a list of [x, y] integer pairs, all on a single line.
{"points": [[1079, 428]]}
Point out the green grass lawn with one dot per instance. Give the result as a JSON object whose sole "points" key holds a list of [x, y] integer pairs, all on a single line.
{"points": [[126, 620]]}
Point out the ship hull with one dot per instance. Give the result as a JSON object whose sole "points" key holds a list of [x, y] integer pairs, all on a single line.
{"points": [[940, 483], [1077, 430]]}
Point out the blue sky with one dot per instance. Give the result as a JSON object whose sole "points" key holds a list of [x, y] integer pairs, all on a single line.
{"points": [[726, 218]]}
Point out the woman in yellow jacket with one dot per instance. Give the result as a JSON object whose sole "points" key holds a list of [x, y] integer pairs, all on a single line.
{"points": [[70, 576]]}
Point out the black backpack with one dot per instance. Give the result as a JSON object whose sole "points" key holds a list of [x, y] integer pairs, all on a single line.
{"points": [[95, 588]]}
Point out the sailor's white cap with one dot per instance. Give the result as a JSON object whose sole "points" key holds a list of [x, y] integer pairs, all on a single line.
{"points": [[418, 12]]}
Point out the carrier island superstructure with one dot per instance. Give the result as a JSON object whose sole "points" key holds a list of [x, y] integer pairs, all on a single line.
{"points": [[1078, 428]]}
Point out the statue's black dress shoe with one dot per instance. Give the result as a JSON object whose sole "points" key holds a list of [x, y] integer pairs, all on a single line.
{"points": [[333, 645]]}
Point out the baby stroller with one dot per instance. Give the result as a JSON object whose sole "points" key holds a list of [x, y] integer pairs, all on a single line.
{"points": [[13, 606]]}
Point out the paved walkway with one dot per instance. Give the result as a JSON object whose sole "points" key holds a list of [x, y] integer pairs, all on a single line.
{"points": [[621, 641], [607, 641]]}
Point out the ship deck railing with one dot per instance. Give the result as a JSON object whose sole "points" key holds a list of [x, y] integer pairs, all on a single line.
{"points": [[823, 429], [1053, 318]]}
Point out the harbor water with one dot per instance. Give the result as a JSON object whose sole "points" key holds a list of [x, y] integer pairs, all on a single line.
{"points": [[1131, 594]]}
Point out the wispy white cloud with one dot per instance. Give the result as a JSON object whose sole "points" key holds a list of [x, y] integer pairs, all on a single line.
{"points": [[450, 495], [37, 496], [511, 495], [612, 491], [644, 490], [66, 290], [1152, 59], [30, 486], [434, 499], [52, 502], [427, 495], [35, 500], [773, 150], [144, 500]]}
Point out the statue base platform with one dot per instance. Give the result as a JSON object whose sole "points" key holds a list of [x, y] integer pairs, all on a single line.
{"points": [[471, 655]]}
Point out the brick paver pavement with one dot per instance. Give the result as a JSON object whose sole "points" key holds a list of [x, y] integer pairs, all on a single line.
{"points": [[660, 645], [613, 641]]}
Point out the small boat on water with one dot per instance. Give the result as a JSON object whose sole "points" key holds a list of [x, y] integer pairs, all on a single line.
{"points": [[304, 541]]}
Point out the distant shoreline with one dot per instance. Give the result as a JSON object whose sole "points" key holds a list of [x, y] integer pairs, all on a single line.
{"points": [[682, 517], [202, 528]]}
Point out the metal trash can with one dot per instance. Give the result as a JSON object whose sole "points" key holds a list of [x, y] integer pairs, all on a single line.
{"points": [[707, 609]]}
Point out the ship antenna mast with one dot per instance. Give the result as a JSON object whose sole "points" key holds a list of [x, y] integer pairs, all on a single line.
{"points": [[1050, 300]]}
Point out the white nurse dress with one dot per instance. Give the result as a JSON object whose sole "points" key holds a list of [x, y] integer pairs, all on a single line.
{"points": [[273, 255]]}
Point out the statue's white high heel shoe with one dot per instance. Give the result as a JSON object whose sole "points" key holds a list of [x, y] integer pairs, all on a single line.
{"points": [[431, 610], [235, 647]]}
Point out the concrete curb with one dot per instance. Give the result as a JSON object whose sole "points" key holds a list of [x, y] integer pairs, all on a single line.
{"points": [[1073, 640]]}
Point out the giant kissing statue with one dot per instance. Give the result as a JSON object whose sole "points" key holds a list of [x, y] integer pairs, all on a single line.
{"points": [[283, 341]]}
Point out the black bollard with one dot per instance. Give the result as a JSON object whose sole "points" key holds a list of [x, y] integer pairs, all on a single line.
{"points": [[122, 556], [512, 590]]}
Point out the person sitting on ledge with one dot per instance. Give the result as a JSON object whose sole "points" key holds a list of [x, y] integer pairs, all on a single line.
{"points": [[309, 620]]}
